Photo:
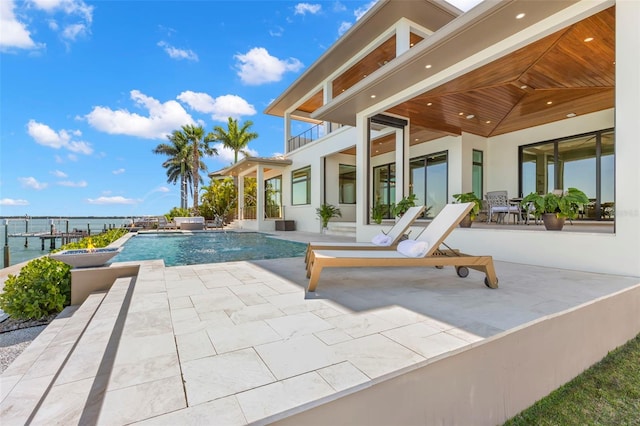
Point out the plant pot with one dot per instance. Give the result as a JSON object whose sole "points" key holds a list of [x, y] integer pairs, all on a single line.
{"points": [[86, 258], [466, 222], [552, 222]]}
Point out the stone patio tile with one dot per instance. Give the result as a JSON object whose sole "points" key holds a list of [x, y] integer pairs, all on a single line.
{"points": [[298, 325], [84, 363], [6, 385], [423, 340], [332, 336], [221, 412], [254, 313], [376, 355], [180, 302], [358, 325], [283, 395], [343, 376], [281, 286], [216, 299], [132, 349], [64, 403], [214, 377], [139, 324], [326, 312], [186, 288], [398, 315], [136, 372], [220, 278], [49, 362], [134, 403], [310, 354], [253, 289], [147, 302], [16, 408], [194, 345], [234, 337]]}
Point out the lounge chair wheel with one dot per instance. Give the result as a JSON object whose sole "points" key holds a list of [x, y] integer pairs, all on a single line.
{"points": [[462, 271], [439, 266], [488, 284]]}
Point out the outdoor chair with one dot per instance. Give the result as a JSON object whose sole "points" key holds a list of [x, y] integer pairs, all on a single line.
{"points": [[428, 243], [383, 242], [499, 204]]}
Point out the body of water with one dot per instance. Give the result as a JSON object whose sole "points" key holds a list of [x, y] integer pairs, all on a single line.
{"points": [[210, 247], [19, 253]]}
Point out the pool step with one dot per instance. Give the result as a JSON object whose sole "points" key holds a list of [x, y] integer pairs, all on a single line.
{"points": [[344, 229]]}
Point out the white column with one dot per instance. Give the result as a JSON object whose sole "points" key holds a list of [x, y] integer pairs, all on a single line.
{"points": [[287, 131], [402, 163], [240, 198], [362, 176], [260, 196], [403, 34], [327, 95]]}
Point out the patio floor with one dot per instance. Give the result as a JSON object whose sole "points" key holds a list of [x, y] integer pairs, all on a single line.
{"points": [[241, 342]]}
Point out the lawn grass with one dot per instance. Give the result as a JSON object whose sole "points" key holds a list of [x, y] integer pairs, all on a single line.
{"points": [[608, 393]]}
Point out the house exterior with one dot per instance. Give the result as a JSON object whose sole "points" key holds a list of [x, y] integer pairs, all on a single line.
{"points": [[420, 98]]}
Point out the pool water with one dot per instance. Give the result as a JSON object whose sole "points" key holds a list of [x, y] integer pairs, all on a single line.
{"points": [[215, 247]]}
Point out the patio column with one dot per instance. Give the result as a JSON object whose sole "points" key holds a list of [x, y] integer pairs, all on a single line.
{"points": [[402, 163], [287, 131], [260, 196], [327, 95], [240, 197], [403, 34]]}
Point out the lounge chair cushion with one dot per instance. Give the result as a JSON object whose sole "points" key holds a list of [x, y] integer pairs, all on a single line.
{"points": [[413, 248], [382, 240]]}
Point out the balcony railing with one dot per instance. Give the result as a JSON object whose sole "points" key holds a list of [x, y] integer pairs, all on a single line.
{"points": [[308, 136]]}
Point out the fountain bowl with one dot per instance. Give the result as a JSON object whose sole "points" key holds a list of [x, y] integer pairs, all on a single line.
{"points": [[86, 258]]}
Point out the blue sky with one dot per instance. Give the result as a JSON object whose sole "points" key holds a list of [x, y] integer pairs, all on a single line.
{"points": [[88, 89]]}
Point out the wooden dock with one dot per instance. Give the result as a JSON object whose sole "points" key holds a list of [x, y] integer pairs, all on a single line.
{"points": [[65, 237]]}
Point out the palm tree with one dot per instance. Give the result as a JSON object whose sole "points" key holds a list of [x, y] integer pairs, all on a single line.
{"points": [[235, 138], [199, 143], [178, 164]]}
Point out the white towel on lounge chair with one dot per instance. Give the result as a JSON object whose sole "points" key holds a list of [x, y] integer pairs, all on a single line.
{"points": [[413, 248], [382, 240]]}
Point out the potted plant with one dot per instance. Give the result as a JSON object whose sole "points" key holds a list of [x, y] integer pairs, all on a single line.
{"points": [[555, 206], [326, 212], [469, 197], [403, 205]]}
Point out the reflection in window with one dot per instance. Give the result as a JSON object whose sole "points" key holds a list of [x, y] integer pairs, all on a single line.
{"points": [[384, 187], [273, 197], [301, 186], [585, 162], [477, 173], [347, 184], [428, 180]]}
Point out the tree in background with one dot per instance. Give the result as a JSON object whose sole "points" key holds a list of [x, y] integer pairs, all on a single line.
{"points": [[219, 199], [199, 142], [234, 137], [179, 163]]}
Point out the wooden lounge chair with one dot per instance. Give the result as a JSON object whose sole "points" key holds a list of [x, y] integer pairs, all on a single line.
{"points": [[434, 235], [395, 234]]}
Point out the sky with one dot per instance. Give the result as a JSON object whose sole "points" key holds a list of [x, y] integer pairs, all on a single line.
{"points": [[89, 88]]}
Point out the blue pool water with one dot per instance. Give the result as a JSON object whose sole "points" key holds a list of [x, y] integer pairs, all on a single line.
{"points": [[211, 247]]}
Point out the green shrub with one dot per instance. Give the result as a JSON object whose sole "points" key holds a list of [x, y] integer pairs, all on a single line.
{"points": [[97, 241], [43, 287]]}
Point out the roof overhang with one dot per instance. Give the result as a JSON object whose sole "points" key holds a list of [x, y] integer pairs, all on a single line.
{"points": [[430, 14], [482, 27], [249, 164]]}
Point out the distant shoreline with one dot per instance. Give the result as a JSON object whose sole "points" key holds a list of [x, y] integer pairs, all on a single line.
{"points": [[73, 217]]}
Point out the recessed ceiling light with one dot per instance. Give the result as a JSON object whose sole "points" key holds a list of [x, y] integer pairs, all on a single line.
{"points": [[470, 116], [429, 104], [461, 113], [571, 114], [427, 66], [488, 121], [588, 39], [373, 96], [416, 139], [549, 102], [411, 45], [365, 76], [377, 151], [524, 86], [520, 15]]}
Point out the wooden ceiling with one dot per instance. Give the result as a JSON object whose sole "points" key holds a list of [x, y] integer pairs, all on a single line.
{"points": [[569, 72]]}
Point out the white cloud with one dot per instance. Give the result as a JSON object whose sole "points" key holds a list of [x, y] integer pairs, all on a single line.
{"points": [[163, 118], [77, 17], [344, 26], [304, 8], [111, 200], [13, 33], [257, 66], [220, 108], [175, 53], [118, 172], [13, 202], [276, 32], [80, 184], [163, 189], [46, 136], [359, 12], [339, 7], [225, 155], [59, 174], [31, 182], [71, 32]]}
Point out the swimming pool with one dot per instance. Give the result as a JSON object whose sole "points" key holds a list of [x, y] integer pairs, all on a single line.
{"points": [[211, 247]]}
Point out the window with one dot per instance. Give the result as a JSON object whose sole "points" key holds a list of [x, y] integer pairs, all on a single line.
{"points": [[583, 161], [384, 187], [429, 181], [477, 174], [347, 184], [273, 197], [301, 186]]}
